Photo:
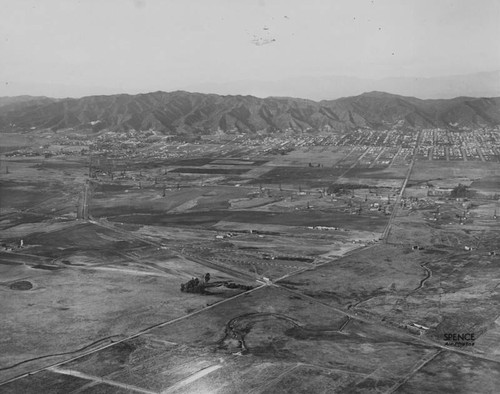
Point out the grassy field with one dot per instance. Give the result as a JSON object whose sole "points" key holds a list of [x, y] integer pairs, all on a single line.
{"points": [[276, 346], [90, 285], [334, 307]]}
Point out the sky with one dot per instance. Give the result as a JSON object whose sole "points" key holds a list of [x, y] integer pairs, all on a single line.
{"points": [[63, 48]]}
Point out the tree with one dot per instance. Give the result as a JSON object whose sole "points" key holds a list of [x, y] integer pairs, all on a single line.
{"points": [[193, 286], [459, 191]]}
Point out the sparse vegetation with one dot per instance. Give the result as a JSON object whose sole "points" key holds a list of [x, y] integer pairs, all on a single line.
{"points": [[163, 212]]}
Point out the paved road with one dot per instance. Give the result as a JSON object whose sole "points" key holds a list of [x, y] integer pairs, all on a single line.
{"points": [[385, 234]]}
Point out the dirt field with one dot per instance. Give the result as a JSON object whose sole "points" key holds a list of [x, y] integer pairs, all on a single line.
{"points": [[90, 286], [275, 347], [349, 290], [470, 375]]}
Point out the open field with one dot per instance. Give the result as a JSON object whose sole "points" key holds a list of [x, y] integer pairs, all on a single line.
{"points": [[90, 285], [274, 345], [336, 268], [470, 376], [452, 173]]}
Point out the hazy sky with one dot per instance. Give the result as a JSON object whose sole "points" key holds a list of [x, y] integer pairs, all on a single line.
{"points": [[74, 48]]}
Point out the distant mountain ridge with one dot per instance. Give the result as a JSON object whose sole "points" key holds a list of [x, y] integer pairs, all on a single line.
{"points": [[482, 84], [17, 102], [182, 112]]}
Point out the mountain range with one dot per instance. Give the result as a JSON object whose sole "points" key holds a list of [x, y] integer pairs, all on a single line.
{"points": [[482, 84], [182, 112]]}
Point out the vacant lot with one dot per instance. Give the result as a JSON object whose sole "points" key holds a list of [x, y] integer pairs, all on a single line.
{"points": [[247, 343], [206, 219], [469, 375], [305, 176]]}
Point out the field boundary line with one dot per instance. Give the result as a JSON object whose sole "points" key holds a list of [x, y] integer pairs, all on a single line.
{"points": [[422, 364], [98, 379], [192, 378], [275, 380]]}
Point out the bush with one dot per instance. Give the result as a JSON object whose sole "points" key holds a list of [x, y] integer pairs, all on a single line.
{"points": [[460, 191]]}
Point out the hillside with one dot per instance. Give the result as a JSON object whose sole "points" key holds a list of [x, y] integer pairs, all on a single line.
{"points": [[195, 113]]}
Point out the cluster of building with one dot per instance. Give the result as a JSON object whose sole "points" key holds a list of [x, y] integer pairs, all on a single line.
{"points": [[474, 145], [383, 147], [385, 138]]}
